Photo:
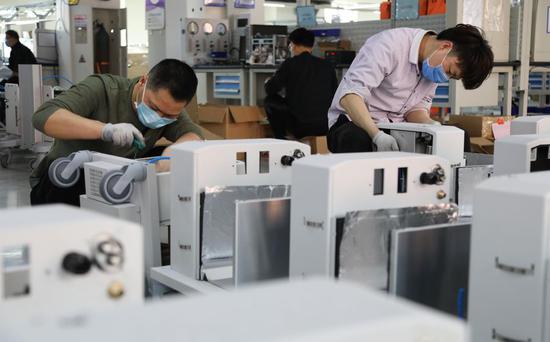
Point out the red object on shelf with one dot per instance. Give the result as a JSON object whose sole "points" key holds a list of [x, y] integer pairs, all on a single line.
{"points": [[422, 7], [437, 7], [385, 10]]}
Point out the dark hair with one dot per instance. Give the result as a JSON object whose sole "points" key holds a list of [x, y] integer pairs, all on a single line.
{"points": [[302, 37], [175, 76], [474, 53], [12, 34]]}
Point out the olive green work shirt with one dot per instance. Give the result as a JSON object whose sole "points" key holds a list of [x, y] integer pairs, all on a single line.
{"points": [[106, 98]]}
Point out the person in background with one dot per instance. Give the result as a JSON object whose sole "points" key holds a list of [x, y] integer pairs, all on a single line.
{"points": [[20, 54], [394, 77], [308, 84], [114, 115]]}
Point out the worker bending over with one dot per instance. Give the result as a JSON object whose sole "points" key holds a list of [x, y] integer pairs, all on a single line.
{"points": [[114, 115], [394, 77]]}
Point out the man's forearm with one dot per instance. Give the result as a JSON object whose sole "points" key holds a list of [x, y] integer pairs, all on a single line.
{"points": [[357, 110], [63, 124], [186, 137], [164, 165], [419, 116]]}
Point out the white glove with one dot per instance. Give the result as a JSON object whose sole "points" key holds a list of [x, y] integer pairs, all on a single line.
{"points": [[385, 142], [121, 134], [435, 122]]}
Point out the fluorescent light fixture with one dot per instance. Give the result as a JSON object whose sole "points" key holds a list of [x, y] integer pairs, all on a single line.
{"points": [[353, 5], [269, 4]]}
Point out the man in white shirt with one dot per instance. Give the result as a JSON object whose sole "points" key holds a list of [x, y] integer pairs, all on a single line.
{"points": [[394, 77]]}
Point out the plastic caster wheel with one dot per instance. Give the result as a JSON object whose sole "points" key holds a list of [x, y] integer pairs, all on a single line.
{"points": [[5, 160], [107, 184], [55, 171]]}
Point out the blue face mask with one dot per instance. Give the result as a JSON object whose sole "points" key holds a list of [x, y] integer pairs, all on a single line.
{"points": [[148, 117], [435, 74]]}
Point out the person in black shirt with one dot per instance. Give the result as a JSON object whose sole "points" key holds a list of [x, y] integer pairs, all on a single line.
{"points": [[308, 84], [20, 54]]}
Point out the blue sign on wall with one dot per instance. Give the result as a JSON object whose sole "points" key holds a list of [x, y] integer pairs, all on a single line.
{"points": [[306, 16], [406, 9]]}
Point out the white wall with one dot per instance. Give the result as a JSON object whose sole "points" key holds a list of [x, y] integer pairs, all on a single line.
{"points": [[137, 34]]}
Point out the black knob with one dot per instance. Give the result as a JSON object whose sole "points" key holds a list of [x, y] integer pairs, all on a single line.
{"points": [[437, 176], [76, 263], [287, 160], [428, 178]]}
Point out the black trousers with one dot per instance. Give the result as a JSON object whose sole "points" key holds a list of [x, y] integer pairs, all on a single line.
{"points": [[282, 120], [47, 193], [344, 136]]}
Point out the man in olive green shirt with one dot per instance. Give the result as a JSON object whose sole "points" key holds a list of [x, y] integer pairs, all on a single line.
{"points": [[112, 114]]}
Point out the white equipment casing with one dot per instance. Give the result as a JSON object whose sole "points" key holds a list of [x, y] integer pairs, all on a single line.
{"points": [[198, 164], [514, 154], [509, 263], [148, 206], [49, 233], [539, 124], [75, 33], [13, 117], [540, 32], [447, 141], [311, 311], [325, 187]]}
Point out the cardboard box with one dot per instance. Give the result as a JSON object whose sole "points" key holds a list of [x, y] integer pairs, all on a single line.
{"points": [[482, 145], [477, 125], [207, 135], [232, 122], [318, 144]]}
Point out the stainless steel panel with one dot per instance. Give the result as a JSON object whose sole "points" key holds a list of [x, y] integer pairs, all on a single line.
{"points": [[218, 217], [362, 249], [478, 159], [430, 266], [262, 240], [466, 180]]}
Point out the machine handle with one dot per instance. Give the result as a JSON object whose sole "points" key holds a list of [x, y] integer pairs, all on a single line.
{"points": [[515, 269], [502, 338]]}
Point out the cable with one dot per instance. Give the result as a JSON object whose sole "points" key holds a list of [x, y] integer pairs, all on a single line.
{"points": [[156, 159]]}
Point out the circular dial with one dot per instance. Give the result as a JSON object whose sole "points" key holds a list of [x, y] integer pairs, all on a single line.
{"points": [[221, 29], [193, 28], [208, 28]]}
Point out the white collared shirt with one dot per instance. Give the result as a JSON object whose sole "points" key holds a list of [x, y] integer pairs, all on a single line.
{"points": [[386, 75]]}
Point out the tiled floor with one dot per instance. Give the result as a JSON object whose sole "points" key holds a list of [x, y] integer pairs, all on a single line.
{"points": [[14, 182]]}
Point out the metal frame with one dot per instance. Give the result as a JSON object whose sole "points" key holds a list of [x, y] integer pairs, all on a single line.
{"points": [[214, 163], [325, 187]]}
